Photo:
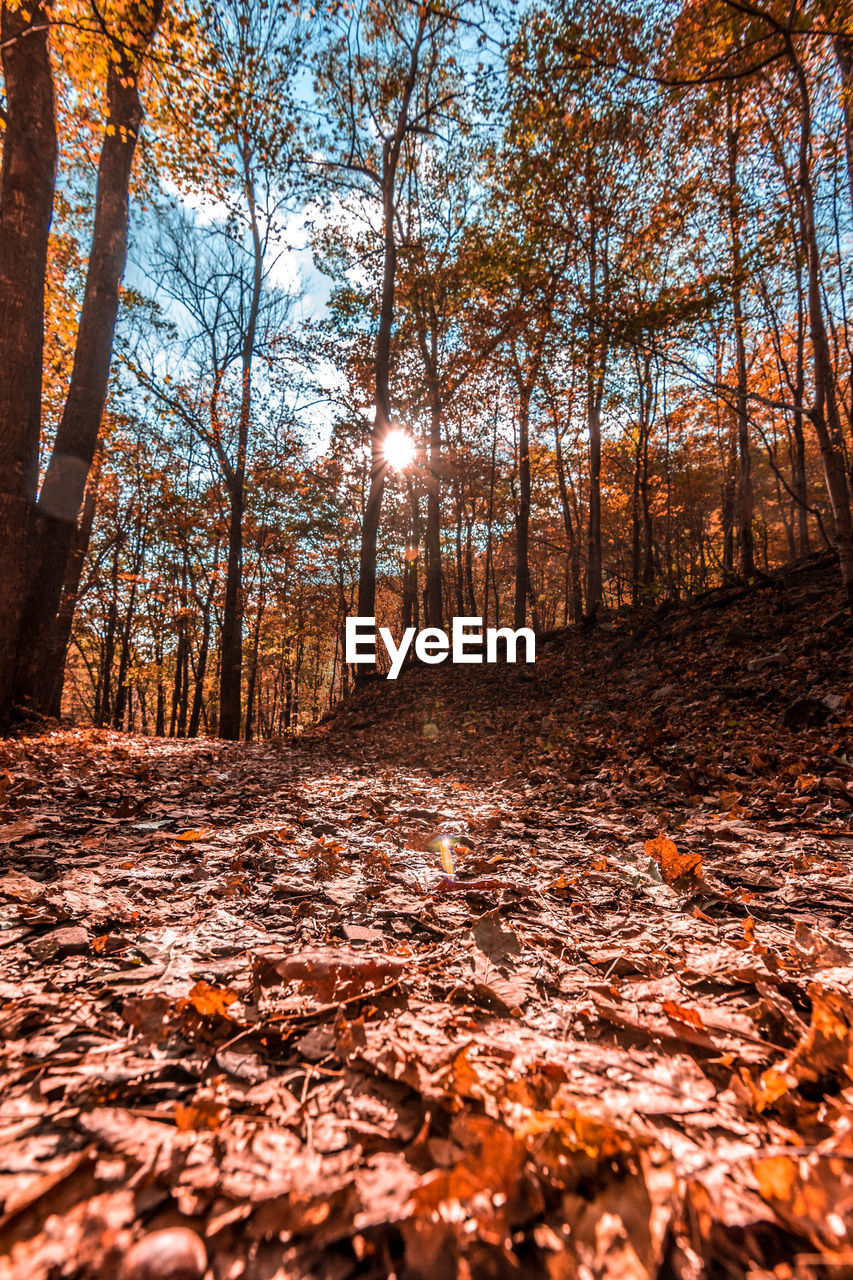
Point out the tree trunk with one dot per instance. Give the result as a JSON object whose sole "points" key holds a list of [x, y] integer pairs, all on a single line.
{"points": [[594, 574], [26, 205], [433, 518], [522, 521], [64, 484], [55, 666], [253, 665], [231, 635], [572, 540], [382, 420], [382, 354], [745, 502], [824, 414], [231, 638], [201, 670], [490, 516]]}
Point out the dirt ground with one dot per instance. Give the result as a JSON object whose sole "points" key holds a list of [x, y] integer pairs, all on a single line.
{"points": [[527, 972]]}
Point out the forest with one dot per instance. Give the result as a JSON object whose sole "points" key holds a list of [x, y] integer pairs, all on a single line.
{"points": [[518, 313], [426, 640]]}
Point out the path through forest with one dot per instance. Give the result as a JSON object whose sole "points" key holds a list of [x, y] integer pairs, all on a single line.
{"points": [[241, 998]]}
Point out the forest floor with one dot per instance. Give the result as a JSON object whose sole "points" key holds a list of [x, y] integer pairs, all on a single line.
{"points": [[247, 1016]]}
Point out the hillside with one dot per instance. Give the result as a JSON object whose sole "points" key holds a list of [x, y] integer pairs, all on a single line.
{"points": [[252, 1028]]}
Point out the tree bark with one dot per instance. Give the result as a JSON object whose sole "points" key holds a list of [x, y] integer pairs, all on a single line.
{"points": [[433, 517], [522, 522], [55, 666], [824, 413], [391, 151], [64, 486], [745, 503], [26, 205], [231, 636]]}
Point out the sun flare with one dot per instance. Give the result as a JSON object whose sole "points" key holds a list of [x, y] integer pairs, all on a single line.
{"points": [[399, 449]]}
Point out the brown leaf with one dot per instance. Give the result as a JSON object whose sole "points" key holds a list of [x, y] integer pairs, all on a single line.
{"points": [[20, 830]]}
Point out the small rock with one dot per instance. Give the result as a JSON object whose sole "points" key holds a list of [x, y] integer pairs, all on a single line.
{"points": [[175, 1253], [833, 702], [61, 942], [779, 659]]}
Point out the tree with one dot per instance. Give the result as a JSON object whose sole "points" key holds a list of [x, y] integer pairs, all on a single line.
{"points": [[387, 77], [50, 524]]}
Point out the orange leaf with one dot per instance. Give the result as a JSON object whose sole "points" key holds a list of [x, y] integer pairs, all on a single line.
{"points": [[680, 1012], [673, 865], [204, 1113], [211, 1001], [186, 837]]}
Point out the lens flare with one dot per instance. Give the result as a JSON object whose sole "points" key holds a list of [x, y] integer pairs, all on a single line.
{"points": [[399, 449], [446, 854]]}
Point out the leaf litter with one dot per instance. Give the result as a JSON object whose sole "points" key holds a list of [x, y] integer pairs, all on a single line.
{"points": [[251, 1027]]}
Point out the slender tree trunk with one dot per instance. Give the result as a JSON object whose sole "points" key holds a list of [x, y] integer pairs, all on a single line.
{"points": [[55, 666], [433, 519], [26, 205], [824, 414], [842, 44], [594, 573], [382, 420], [469, 564], [382, 353], [104, 702], [410, 611], [201, 671], [490, 516], [231, 635], [231, 638], [522, 521], [124, 661], [573, 555], [745, 502], [458, 578], [635, 528], [253, 664]]}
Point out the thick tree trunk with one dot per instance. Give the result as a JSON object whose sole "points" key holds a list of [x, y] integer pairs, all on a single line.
{"points": [[26, 205], [64, 485]]}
